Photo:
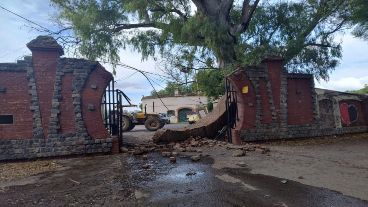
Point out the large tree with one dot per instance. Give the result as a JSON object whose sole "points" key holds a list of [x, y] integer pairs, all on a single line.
{"points": [[359, 18], [208, 34]]}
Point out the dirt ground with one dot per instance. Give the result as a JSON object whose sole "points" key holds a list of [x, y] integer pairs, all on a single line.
{"points": [[335, 163], [329, 171]]}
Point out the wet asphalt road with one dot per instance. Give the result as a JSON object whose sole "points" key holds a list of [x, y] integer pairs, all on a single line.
{"points": [[188, 183]]}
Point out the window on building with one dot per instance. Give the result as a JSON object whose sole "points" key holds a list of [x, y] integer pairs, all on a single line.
{"points": [[6, 119], [170, 113]]}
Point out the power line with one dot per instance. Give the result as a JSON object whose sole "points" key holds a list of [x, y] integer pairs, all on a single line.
{"points": [[26, 19], [148, 79], [136, 69], [154, 80], [144, 73], [129, 76]]}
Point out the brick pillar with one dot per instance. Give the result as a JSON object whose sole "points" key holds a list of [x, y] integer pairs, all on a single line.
{"points": [[45, 55], [276, 72]]}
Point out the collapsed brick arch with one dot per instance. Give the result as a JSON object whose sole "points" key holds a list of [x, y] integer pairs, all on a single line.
{"points": [[92, 96]]}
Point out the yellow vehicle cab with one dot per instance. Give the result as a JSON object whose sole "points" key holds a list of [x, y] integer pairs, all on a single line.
{"points": [[193, 118]]}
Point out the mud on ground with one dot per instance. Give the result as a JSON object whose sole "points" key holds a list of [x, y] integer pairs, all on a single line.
{"points": [[320, 172], [83, 181]]}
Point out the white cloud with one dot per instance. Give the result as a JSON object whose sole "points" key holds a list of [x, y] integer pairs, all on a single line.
{"points": [[352, 73], [344, 84]]}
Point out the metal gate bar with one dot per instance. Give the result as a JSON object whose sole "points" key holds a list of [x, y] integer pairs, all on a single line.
{"points": [[112, 106], [231, 108]]}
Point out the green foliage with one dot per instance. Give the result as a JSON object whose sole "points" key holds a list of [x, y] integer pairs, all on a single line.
{"points": [[210, 106], [360, 18], [212, 34], [211, 82], [302, 33], [171, 87], [360, 91]]}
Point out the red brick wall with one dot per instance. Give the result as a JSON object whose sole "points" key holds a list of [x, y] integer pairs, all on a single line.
{"points": [[67, 118], [274, 74], [93, 119], [266, 111], [246, 101], [44, 64], [365, 110], [299, 101], [16, 102]]}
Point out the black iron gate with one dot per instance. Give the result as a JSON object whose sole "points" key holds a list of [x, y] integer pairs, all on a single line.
{"points": [[231, 108], [112, 110]]}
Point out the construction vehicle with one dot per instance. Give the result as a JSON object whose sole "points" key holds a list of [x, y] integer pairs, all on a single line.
{"points": [[193, 117], [152, 122]]}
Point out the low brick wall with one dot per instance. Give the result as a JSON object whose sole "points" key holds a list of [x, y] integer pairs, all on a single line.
{"points": [[37, 148], [298, 131]]}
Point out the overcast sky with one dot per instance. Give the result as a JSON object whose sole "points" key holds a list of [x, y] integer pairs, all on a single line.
{"points": [[351, 74]]}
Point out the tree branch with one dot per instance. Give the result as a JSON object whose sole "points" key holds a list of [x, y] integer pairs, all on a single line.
{"points": [[173, 10], [119, 27], [319, 45], [247, 14], [338, 27]]}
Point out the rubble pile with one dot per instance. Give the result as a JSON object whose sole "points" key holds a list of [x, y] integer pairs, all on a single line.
{"points": [[194, 145]]}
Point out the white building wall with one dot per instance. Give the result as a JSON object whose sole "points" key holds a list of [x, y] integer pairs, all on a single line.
{"points": [[154, 105]]}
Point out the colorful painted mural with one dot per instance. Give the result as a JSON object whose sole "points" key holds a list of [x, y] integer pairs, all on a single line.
{"points": [[349, 113]]}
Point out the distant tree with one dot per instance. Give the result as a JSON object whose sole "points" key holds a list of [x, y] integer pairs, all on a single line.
{"points": [[171, 87], [363, 90], [211, 82], [210, 106]]}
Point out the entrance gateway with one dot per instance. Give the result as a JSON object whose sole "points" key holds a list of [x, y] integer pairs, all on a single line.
{"points": [[112, 110], [183, 114]]}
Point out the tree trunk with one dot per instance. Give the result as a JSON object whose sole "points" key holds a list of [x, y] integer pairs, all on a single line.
{"points": [[227, 55]]}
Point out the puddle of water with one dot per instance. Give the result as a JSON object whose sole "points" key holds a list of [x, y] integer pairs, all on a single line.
{"points": [[229, 179], [139, 194], [184, 173], [165, 180]]}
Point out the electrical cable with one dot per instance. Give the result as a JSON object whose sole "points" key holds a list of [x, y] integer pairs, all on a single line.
{"points": [[129, 76], [148, 79], [26, 19], [144, 73]]}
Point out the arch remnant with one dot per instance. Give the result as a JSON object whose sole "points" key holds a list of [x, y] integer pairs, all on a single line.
{"points": [[50, 99]]}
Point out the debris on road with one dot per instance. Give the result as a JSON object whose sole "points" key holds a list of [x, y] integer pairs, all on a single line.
{"points": [[195, 158], [191, 173], [173, 159], [146, 166], [74, 181], [238, 153], [195, 146], [18, 170], [124, 150], [166, 154]]}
